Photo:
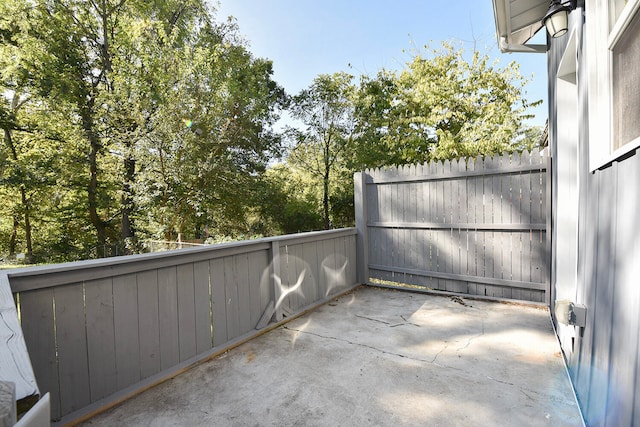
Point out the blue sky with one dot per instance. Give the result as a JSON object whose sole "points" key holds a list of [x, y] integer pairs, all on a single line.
{"points": [[305, 38]]}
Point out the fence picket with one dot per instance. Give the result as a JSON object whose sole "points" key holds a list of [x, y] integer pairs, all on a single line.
{"points": [[472, 234]]}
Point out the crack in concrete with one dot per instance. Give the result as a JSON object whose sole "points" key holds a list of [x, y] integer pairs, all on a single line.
{"points": [[404, 356], [406, 322], [372, 319], [438, 354], [473, 337], [522, 389], [499, 381]]}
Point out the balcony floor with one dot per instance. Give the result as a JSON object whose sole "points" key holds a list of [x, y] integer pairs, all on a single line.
{"points": [[376, 357]]}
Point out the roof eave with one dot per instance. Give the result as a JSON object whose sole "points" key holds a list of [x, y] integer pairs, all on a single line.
{"points": [[512, 39]]}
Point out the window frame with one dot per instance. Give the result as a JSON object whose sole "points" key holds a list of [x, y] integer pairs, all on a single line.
{"points": [[605, 24]]}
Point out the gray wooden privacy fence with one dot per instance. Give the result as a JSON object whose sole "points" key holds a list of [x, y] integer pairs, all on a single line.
{"points": [[474, 226], [98, 331]]}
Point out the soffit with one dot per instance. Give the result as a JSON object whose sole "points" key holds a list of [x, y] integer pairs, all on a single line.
{"points": [[518, 20]]}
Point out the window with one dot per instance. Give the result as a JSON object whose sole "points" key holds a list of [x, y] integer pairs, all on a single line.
{"points": [[613, 49], [626, 85]]}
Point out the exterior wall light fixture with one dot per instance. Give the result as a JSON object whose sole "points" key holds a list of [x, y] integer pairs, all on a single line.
{"points": [[556, 18]]}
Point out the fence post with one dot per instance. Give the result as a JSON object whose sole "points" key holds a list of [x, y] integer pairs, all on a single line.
{"points": [[362, 245]]}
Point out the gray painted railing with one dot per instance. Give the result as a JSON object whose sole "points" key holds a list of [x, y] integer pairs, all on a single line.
{"points": [[99, 331], [474, 226]]}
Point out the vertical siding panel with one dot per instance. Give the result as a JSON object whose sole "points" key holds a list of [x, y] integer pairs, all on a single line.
{"points": [[447, 235], [259, 291], [544, 264], [498, 207], [516, 257], [343, 262], [425, 235], [328, 266], [396, 206], [491, 205], [127, 338], [375, 234], [148, 323], [507, 237], [289, 275], [218, 301], [471, 235], [441, 239], [604, 278], [352, 278], [384, 204], [73, 366], [463, 234], [538, 244], [202, 301], [539, 217], [626, 296], [411, 255], [435, 202], [101, 338], [185, 301], [527, 239], [293, 284], [454, 240], [481, 236], [546, 212], [584, 370], [408, 211], [168, 295], [373, 202], [244, 295], [231, 297], [336, 257], [488, 218], [524, 216], [302, 270], [310, 256], [374, 245], [423, 217], [37, 323], [461, 216]]}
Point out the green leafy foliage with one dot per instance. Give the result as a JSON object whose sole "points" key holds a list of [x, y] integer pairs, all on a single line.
{"points": [[123, 120], [141, 119], [441, 106], [326, 110]]}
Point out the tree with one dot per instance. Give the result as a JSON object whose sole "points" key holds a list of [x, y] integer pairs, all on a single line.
{"points": [[162, 119], [441, 107], [212, 138], [287, 202], [326, 110]]}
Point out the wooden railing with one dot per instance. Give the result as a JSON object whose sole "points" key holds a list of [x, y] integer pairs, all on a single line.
{"points": [[99, 331]]}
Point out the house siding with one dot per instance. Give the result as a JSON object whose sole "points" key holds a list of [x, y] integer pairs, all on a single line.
{"points": [[603, 356]]}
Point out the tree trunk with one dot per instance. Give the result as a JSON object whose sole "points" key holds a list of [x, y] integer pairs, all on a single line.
{"points": [[13, 241], [325, 198], [128, 229], [92, 188], [27, 224], [25, 207]]}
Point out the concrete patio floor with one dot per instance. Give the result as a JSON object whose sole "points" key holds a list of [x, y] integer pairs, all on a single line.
{"points": [[376, 357]]}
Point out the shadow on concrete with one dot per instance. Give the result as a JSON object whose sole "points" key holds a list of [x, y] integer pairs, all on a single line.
{"points": [[376, 357]]}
